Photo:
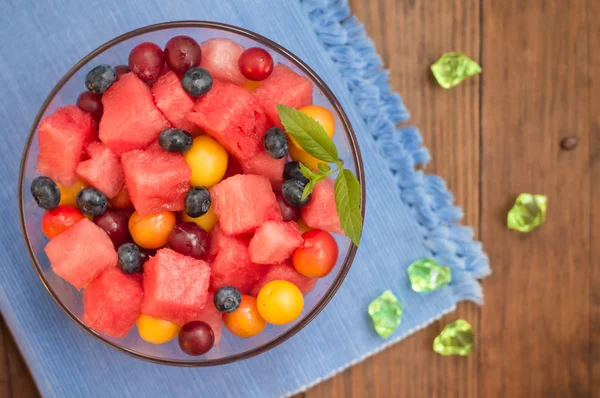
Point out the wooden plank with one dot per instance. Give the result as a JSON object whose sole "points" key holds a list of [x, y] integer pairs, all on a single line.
{"points": [[593, 22], [410, 36], [5, 387], [535, 327], [21, 382]]}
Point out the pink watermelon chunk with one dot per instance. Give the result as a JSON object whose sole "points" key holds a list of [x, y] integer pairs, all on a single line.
{"points": [[285, 272], [233, 117], [320, 212], [264, 165], [232, 265], [175, 286], [156, 180], [173, 101], [81, 253], [220, 240], [211, 315], [283, 86], [130, 120], [112, 302], [220, 57], [62, 137], [244, 202], [85, 121], [274, 242], [102, 171]]}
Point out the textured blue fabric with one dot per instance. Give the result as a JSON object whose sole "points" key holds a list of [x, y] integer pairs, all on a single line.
{"points": [[409, 215]]}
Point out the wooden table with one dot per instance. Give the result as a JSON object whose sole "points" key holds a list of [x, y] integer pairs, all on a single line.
{"points": [[491, 138]]}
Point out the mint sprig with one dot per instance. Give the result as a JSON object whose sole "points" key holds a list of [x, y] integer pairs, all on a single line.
{"points": [[311, 136], [308, 133]]}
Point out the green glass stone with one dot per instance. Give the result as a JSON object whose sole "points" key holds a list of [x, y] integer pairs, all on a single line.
{"points": [[386, 312], [528, 213], [453, 68], [426, 275], [457, 338]]}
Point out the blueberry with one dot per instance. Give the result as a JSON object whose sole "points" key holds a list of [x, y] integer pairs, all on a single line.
{"points": [[45, 192], [130, 258], [275, 143], [197, 202], [196, 81], [175, 140], [99, 79], [292, 193], [227, 299], [90, 201], [292, 172]]}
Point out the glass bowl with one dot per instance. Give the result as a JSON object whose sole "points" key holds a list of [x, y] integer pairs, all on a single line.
{"points": [[115, 52]]}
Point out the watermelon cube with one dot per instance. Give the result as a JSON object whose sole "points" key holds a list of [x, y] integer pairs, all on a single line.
{"points": [[231, 265], [220, 57], [230, 114], [220, 240], [62, 137], [85, 121], [175, 286], [283, 86], [112, 302], [173, 101], [211, 315], [264, 165], [274, 242], [244, 202], [131, 120], [81, 253], [102, 170], [156, 180], [320, 212], [285, 272]]}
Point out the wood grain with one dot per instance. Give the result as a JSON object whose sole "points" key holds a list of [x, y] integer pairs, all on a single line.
{"points": [[4, 368], [19, 381], [593, 32], [535, 328], [491, 138]]}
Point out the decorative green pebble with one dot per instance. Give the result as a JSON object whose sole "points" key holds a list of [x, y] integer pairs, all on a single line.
{"points": [[427, 275], [528, 212], [386, 312], [452, 68], [457, 338]]}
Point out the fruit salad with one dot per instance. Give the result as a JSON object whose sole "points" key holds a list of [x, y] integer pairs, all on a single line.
{"points": [[174, 198]]}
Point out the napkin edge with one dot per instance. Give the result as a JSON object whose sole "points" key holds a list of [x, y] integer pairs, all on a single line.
{"points": [[352, 51]]}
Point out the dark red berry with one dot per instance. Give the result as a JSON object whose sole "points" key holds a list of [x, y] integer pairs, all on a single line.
{"points": [[116, 225], [196, 338], [91, 103], [255, 64], [289, 213], [189, 239], [121, 70], [181, 53], [147, 61]]}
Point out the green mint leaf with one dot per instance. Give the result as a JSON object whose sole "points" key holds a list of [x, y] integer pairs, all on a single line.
{"points": [[308, 189], [308, 173], [308, 133], [324, 167], [347, 202], [313, 179]]}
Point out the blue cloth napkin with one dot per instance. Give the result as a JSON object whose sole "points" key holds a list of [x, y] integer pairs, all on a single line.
{"points": [[409, 215]]}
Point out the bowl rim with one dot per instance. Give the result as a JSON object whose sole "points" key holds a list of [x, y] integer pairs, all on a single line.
{"points": [[321, 85]]}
